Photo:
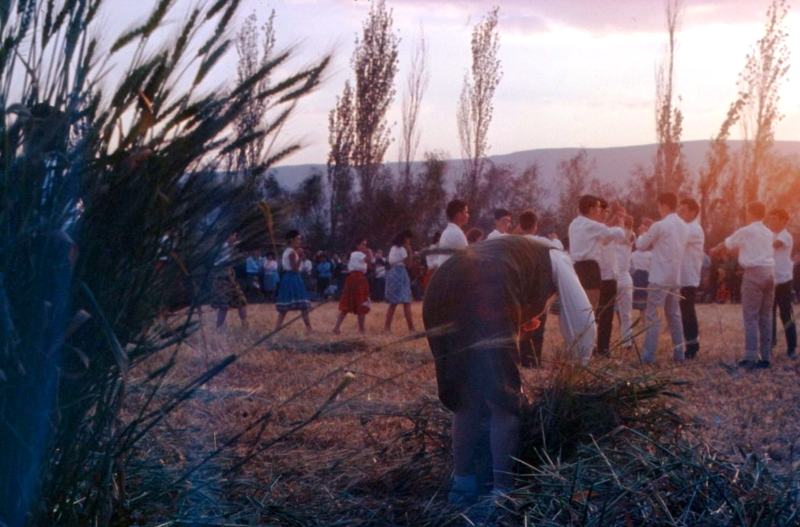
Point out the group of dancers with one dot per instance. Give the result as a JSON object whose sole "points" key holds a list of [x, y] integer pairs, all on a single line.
{"points": [[485, 299], [355, 296]]}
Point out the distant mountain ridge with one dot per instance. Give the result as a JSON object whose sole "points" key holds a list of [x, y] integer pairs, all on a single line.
{"points": [[611, 165]]}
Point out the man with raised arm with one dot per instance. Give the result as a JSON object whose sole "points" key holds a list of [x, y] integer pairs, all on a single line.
{"points": [[666, 239]]}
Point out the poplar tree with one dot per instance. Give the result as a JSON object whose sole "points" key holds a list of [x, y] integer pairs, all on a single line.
{"points": [[341, 138], [475, 107], [766, 66], [374, 63], [669, 170]]}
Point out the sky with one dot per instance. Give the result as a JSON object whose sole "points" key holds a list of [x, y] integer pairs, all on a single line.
{"points": [[576, 73]]}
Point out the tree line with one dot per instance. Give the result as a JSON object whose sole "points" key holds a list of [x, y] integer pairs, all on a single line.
{"points": [[358, 193]]}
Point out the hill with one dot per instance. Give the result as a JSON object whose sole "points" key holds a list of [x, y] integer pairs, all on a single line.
{"points": [[612, 165]]}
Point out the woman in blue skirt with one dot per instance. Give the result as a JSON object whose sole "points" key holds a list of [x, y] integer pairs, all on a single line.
{"points": [[292, 294], [398, 284]]}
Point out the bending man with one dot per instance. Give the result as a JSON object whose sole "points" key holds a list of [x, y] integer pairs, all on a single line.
{"points": [[479, 299]]}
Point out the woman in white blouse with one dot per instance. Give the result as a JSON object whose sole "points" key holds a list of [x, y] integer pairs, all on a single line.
{"points": [[355, 292], [398, 283]]}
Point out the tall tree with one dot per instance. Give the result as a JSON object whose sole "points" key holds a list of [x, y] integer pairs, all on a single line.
{"points": [[475, 105], [375, 65], [669, 170], [254, 48], [416, 85], [766, 66], [341, 138]]}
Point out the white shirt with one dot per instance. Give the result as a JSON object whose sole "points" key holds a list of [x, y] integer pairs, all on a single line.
{"points": [[577, 316], [640, 260], [667, 239], [306, 266], [397, 255], [380, 270], [587, 237], [754, 242], [452, 238], [286, 263], [495, 234], [357, 262], [555, 244], [693, 256], [783, 257], [432, 260]]}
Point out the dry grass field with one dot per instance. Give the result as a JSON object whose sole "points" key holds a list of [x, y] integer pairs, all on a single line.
{"points": [[317, 429]]}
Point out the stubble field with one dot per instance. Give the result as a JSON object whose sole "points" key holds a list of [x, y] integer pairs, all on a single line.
{"points": [[317, 429]]}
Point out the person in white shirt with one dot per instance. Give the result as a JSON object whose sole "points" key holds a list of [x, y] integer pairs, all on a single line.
{"points": [[754, 242], [355, 292], [622, 271], [453, 236], [398, 283], [691, 267], [608, 278], [587, 236], [502, 222], [784, 267], [292, 294], [666, 239], [478, 300], [531, 343]]}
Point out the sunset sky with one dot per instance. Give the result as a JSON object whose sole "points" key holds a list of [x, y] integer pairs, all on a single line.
{"points": [[576, 73]]}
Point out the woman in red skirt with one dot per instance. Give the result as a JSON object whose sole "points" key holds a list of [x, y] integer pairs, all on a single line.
{"points": [[355, 294]]}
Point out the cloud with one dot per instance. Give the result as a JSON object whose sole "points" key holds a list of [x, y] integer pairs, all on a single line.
{"points": [[601, 16]]}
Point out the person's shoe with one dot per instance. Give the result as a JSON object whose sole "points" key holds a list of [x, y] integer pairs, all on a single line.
{"points": [[464, 491], [747, 364], [792, 354], [762, 364]]}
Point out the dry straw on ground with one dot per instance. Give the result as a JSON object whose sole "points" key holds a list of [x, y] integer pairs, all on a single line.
{"points": [[265, 443]]}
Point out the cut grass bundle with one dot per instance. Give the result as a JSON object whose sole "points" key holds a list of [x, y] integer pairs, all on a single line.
{"points": [[578, 405]]}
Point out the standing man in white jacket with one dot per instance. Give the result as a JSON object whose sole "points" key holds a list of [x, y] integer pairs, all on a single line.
{"points": [[690, 274], [667, 241]]}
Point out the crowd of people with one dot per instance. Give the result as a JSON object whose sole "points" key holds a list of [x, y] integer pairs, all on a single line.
{"points": [[488, 291], [487, 299]]}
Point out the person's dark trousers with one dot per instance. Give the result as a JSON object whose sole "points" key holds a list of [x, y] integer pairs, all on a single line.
{"points": [[691, 330], [605, 315], [531, 344], [783, 303]]}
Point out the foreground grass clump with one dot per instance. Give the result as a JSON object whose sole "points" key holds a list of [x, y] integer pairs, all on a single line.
{"points": [[631, 479]]}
